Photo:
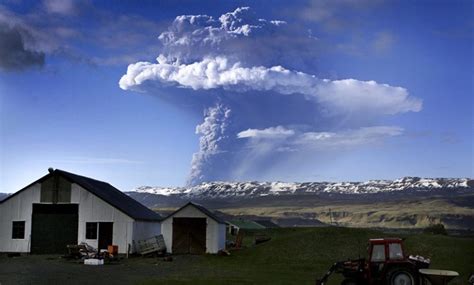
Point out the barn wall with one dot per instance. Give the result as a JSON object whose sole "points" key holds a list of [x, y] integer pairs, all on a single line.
{"points": [[143, 230], [18, 208], [215, 232], [94, 209]]}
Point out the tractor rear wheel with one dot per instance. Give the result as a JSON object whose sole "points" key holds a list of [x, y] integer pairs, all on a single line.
{"points": [[400, 276]]}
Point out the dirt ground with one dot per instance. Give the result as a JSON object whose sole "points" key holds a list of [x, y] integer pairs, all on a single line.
{"points": [[52, 269]]}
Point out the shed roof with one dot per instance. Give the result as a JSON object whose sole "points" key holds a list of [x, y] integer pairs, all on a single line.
{"points": [[246, 224], [200, 208], [106, 192]]}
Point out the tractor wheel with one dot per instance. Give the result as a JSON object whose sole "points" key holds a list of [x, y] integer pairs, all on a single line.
{"points": [[400, 276], [349, 282]]}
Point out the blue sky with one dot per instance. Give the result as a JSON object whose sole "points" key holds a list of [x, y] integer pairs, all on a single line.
{"points": [[300, 91]]}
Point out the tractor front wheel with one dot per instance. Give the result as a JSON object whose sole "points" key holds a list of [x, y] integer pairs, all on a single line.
{"points": [[400, 276]]}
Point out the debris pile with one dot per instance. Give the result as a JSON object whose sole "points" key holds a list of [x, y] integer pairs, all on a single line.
{"points": [[90, 255]]}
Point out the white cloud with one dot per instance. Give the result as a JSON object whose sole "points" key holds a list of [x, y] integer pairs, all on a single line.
{"points": [[203, 30], [289, 140], [338, 96], [347, 138], [273, 132], [195, 30], [61, 7], [241, 35]]}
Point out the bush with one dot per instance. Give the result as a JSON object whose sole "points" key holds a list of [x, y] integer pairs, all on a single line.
{"points": [[437, 229]]}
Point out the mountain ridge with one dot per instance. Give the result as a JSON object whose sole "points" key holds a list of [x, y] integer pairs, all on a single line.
{"points": [[225, 190]]}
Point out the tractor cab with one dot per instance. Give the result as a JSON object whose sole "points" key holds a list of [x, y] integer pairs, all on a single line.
{"points": [[383, 254]]}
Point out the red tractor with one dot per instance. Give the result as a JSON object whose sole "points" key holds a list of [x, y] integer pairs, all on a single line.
{"points": [[387, 264]]}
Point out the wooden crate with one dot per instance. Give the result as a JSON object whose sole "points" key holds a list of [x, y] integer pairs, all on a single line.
{"points": [[154, 244]]}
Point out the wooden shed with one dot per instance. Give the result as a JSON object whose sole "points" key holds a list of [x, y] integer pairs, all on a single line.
{"points": [[64, 208], [192, 229]]}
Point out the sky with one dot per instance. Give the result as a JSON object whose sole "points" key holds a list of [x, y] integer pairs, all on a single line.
{"points": [[174, 93]]}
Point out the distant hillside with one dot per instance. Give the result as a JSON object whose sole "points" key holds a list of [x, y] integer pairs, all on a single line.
{"points": [[3, 196], [222, 194], [409, 202]]}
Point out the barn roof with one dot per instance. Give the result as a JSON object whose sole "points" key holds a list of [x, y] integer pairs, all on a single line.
{"points": [[200, 208], [106, 192]]}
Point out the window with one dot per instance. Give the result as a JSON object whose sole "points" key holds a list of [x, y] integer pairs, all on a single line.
{"points": [[18, 230], [91, 230], [378, 252], [395, 251]]}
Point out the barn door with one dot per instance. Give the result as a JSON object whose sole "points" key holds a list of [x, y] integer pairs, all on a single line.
{"points": [[106, 231], [189, 235], [53, 227]]}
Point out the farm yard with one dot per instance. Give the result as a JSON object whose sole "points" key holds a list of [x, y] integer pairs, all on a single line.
{"points": [[292, 256]]}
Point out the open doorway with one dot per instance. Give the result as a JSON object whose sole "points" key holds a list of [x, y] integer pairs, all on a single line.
{"points": [[106, 231]]}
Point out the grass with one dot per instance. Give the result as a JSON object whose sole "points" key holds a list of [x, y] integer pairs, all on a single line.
{"points": [[300, 255]]}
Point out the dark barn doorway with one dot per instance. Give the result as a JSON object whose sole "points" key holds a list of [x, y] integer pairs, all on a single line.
{"points": [[53, 227], [106, 231], [189, 235]]}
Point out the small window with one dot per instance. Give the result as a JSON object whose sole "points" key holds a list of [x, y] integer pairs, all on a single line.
{"points": [[18, 230], [378, 253], [395, 251], [91, 230]]}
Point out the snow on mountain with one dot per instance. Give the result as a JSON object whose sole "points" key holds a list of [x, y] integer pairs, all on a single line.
{"points": [[259, 189]]}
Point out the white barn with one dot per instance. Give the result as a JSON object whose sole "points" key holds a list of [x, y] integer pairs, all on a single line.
{"points": [[193, 229], [64, 208]]}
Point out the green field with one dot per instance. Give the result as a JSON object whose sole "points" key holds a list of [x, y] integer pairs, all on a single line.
{"points": [[292, 256], [299, 255]]}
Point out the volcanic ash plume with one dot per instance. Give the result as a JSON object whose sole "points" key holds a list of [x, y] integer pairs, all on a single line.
{"points": [[212, 144], [283, 112]]}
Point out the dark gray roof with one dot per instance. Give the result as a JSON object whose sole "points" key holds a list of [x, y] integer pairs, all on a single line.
{"points": [[106, 192], [200, 208]]}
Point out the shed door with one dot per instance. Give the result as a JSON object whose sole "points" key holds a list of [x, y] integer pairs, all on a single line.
{"points": [[189, 235], [53, 227]]}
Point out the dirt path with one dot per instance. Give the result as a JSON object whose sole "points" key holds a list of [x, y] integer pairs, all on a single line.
{"points": [[50, 269]]}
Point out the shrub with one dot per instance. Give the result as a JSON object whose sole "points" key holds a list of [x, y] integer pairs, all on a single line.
{"points": [[436, 229]]}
